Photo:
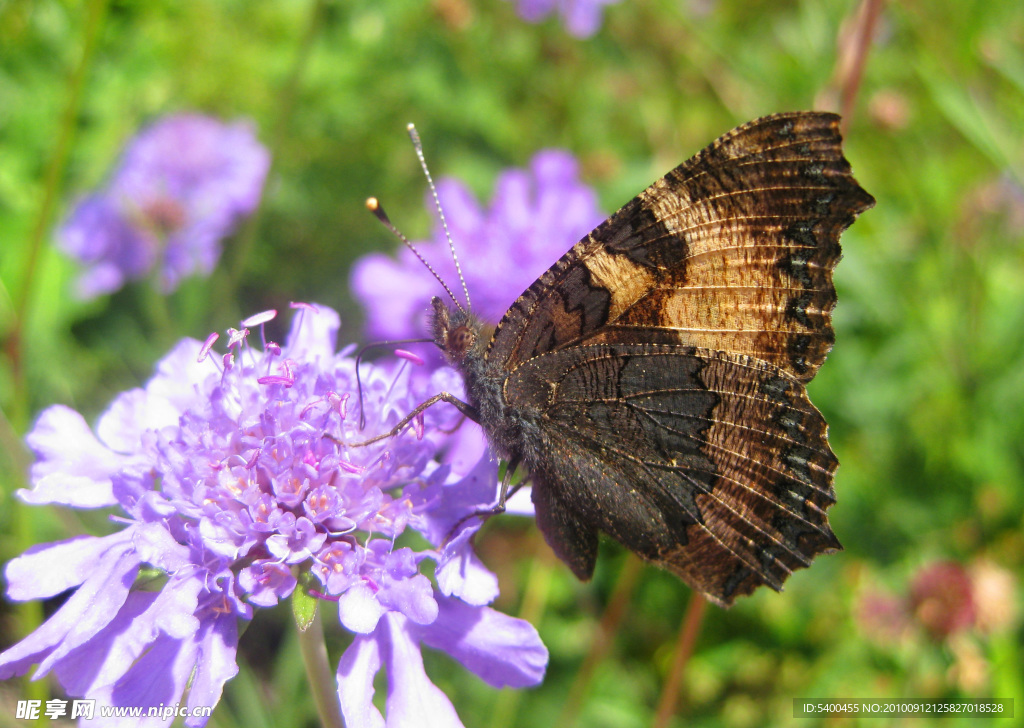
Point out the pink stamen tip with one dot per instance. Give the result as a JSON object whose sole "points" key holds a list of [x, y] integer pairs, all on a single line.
{"points": [[260, 318], [409, 356], [235, 336], [312, 404], [276, 379], [302, 304], [207, 345], [287, 379]]}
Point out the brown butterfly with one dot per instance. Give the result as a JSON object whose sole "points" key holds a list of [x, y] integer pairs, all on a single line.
{"points": [[652, 380]]}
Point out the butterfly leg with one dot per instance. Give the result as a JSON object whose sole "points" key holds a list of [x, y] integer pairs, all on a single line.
{"points": [[464, 407], [505, 493]]}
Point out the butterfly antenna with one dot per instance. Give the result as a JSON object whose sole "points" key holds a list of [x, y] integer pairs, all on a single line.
{"points": [[373, 205], [418, 146]]}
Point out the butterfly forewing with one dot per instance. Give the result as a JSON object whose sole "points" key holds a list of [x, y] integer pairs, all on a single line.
{"points": [[652, 380], [732, 250]]}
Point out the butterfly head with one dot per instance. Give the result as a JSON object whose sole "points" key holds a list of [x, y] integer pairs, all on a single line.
{"points": [[456, 332]]}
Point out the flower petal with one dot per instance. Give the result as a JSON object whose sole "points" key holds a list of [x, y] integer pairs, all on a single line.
{"points": [[358, 666], [503, 651], [48, 569], [110, 654], [83, 615], [215, 665], [159, 677], [412, 698], [359, 609], [460, 572], [73, 467]]}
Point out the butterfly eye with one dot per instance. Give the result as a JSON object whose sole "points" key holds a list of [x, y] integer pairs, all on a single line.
{"points": [[460, 340]]}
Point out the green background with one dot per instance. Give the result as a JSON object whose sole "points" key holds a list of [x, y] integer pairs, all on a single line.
{"points": [[924, 391]]}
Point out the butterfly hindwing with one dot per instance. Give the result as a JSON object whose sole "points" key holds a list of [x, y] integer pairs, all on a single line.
{"points": [[713, 465]]}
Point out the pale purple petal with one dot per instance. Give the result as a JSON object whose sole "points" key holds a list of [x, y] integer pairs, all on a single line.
{"points": [[460, 572], [179, 375], [520, 503], [103, 659], [159, 676], [215, 664], [145, 616], [72, 468], [373, 279], [358, 666], [82, 616], [359, 609], [49, 569], [501, 650], [412, 698], [476, 491]]}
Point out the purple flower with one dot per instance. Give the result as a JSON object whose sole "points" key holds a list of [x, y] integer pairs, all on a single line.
{"points": [[234, 474], [582, 17], [536, 215], [180, 188]]}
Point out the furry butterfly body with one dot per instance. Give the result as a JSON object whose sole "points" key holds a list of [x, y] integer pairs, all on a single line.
{"points": [[652, 381]]}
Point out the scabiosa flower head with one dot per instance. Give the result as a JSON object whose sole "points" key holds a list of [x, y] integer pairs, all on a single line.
{"points": [[235, 476], [180, 188], [582, 17]]}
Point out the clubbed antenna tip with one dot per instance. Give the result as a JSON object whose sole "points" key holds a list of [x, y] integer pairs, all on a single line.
{"points": [[374, 206]]}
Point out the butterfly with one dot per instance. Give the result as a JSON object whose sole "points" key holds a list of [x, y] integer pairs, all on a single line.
{"points": [[652, 381]]}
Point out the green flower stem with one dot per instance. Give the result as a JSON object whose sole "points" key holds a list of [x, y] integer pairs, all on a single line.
{"points": [[322, 681]]}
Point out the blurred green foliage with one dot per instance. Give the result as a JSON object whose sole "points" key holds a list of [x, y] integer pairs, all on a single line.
{"points": [[924, 390]]}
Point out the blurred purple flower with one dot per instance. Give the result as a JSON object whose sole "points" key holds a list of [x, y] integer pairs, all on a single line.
{"points": [[582, 17], [233, 476], [535, 216], [180, 188]]}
